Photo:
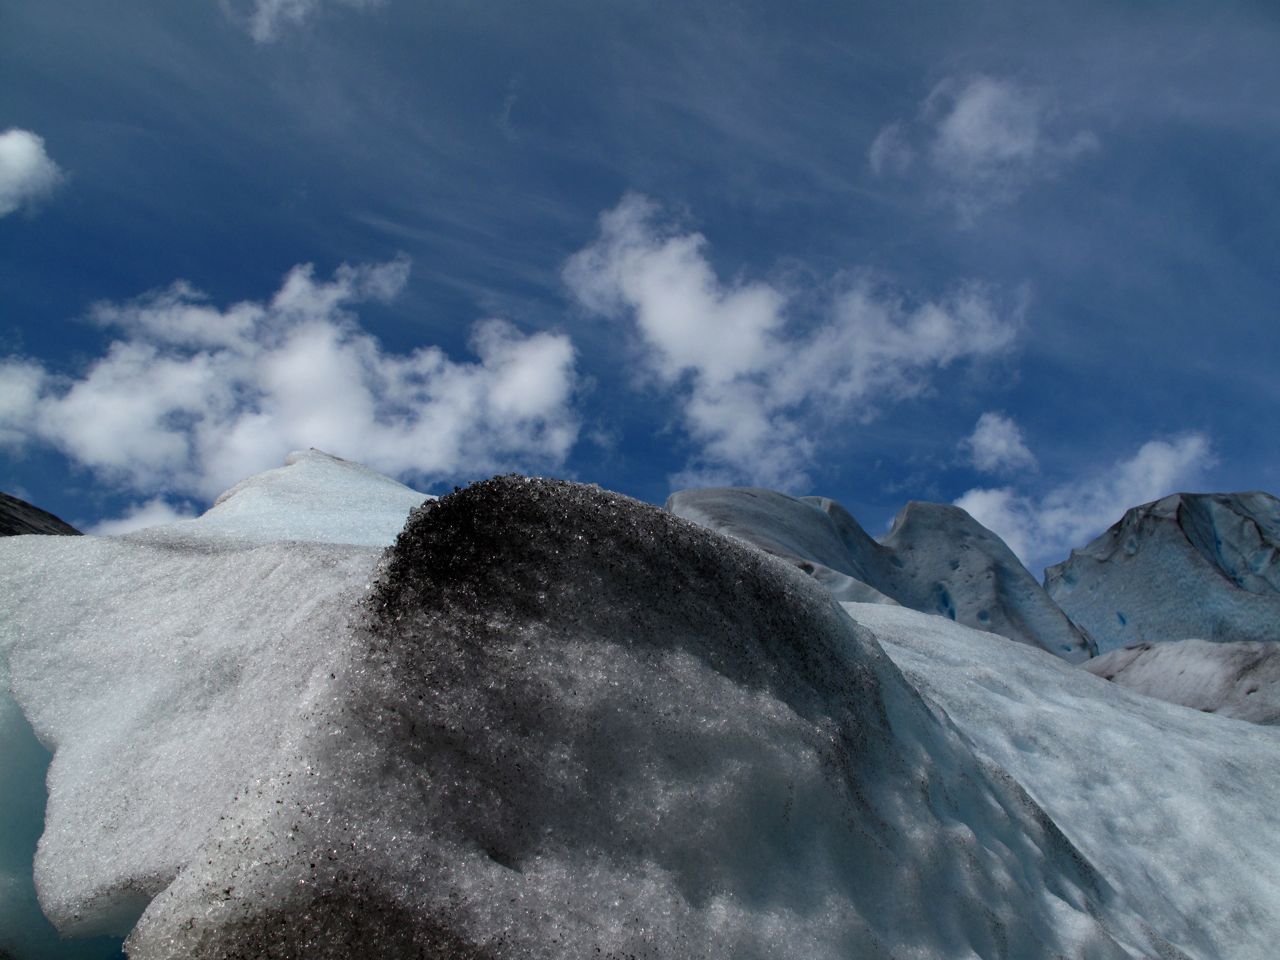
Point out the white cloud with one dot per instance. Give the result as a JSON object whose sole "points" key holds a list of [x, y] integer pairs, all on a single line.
{"points": [[267, 19], [1041, 529], [153, 513], [753, 388], [891, 151], [996, 445], [191, 398], [27, 174], [986, 139]]}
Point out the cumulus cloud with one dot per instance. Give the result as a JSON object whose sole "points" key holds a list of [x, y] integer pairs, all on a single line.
{"points": [[996, 445], [191, 398], [266, 20], [753, 384], [152, 513], [981, 140], [1042, 529], [27, 173]]}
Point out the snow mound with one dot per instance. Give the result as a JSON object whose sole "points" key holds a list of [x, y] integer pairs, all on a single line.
{"points": [[1192, 565], [936, 559], [1239, 680], [562, 724], [1179, 811], [315, 497], [19, 518]]}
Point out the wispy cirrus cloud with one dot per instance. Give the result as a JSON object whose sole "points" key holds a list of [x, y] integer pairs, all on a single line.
{"points": [[267, 20], [1041, 528], [190, 398], [980, 141], [27, 172], [755, 385]]}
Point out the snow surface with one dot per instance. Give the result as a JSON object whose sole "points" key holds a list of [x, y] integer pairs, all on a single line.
{"points": [[936, 559], [1240, 680], [1191, 565], [1178, 810], [178, 623]]}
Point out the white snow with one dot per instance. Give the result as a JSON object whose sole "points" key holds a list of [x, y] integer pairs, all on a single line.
{"points": [[315, 497], [1178, 810]]}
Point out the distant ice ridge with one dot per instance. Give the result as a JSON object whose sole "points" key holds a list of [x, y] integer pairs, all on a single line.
{"points": [[1190, 565], [564, 724], [1240, 680], [315, 497], [936, 559], [1179, 811]]}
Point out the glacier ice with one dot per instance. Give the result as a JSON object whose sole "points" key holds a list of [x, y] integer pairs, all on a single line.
{"points": [[562, 721], [1239, 680], [1179, 811], [552, 721], [1203, 566], [935, 558]]}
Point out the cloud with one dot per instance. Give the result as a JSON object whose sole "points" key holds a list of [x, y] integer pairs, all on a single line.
{"points": [[983, 140], [192, 398], [153, 513], [27, 174], [753, 383], [267, 19], [996, 445], [1042, 529]]}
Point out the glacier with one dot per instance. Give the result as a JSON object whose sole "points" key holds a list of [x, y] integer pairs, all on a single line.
{"points": [[553, 721], [1202, 566]]}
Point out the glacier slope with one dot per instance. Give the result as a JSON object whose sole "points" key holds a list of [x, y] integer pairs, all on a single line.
{"points": [[1178, 810], [1239, 680], [935, 558]]}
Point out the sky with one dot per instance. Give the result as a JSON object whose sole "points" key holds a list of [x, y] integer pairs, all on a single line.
{"points": [[1020, 257]]}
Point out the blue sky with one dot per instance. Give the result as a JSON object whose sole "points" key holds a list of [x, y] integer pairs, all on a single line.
{"points": [[1023, 257]]}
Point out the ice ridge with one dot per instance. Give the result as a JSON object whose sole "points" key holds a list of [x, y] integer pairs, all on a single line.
{"points": [[936, 559], [1190, 565]]}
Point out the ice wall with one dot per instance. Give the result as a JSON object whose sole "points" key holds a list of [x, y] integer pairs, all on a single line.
{"points": [[1190, 565], [936, 559]]}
